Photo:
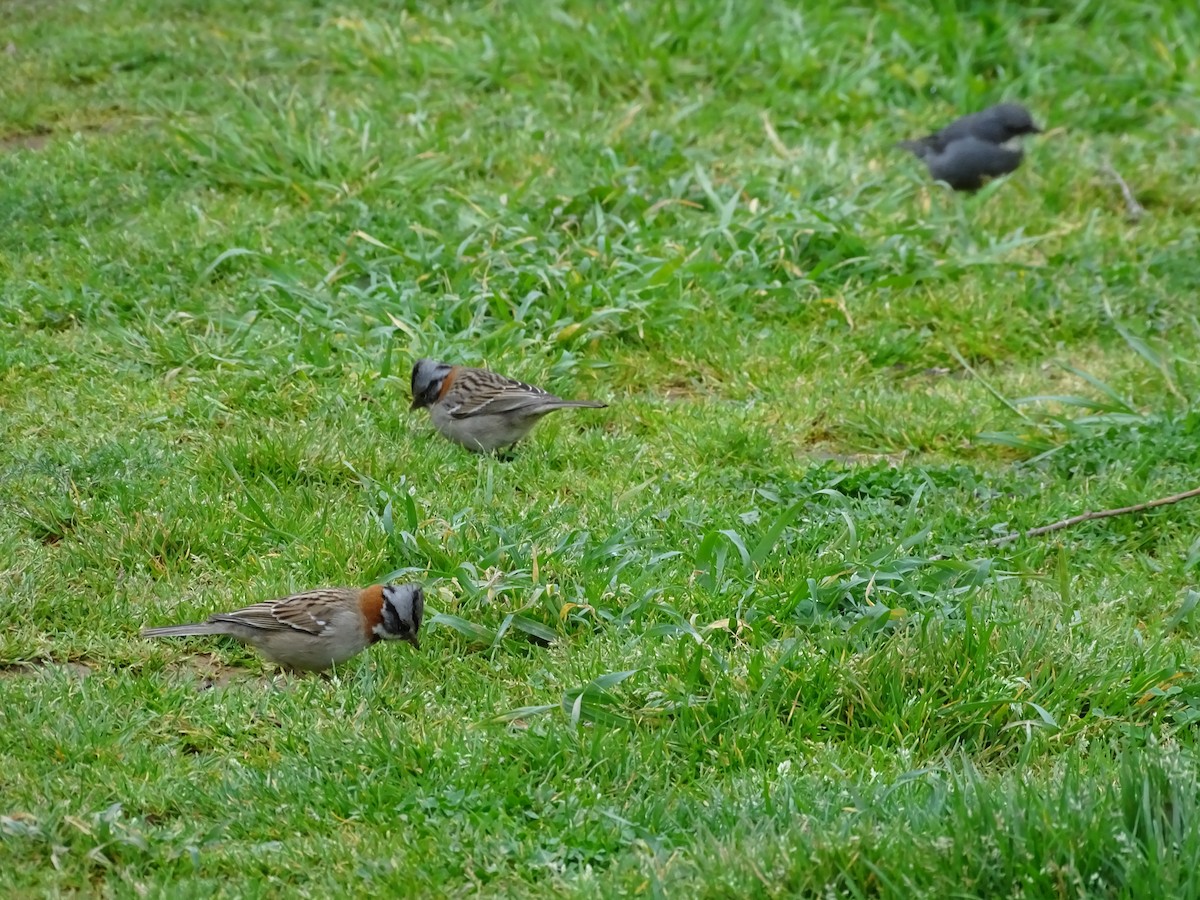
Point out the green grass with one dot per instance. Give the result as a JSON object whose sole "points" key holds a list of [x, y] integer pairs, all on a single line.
{"points": [[740, 634]]}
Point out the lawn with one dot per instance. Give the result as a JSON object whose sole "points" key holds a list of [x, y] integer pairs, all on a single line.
{"points": [[740, 634]]}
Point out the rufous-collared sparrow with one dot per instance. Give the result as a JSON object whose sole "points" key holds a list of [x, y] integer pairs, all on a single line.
{"points": [[317, 629], [479, 409]]}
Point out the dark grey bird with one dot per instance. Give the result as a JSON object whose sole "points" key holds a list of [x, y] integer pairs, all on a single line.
{"points": [[967, 164], [974, 148]]}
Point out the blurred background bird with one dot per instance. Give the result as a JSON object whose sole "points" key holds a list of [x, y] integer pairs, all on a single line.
{"points": [[976, 147]]}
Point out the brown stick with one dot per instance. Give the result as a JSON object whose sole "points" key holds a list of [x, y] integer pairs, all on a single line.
{"points": [[1133, 209], [1088, 516]]}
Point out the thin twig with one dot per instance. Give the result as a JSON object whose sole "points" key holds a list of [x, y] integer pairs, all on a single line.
{"points": [[773, 139], [1133, 209], [1088, 516]]}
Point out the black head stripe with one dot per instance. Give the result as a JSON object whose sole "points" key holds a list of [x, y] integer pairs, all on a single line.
{"points": [[418, 608], [390, 618]]}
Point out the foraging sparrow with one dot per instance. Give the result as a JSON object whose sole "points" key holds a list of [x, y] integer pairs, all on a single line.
{"points": [[975, 147], [481, 410], [317, 629]]}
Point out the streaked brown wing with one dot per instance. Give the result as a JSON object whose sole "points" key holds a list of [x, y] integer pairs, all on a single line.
{"points": [[310, 611], [508, 402], [486, 393]]}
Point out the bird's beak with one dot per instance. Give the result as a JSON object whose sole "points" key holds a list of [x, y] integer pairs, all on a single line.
{"points": [[415, 641], [415, 404]]}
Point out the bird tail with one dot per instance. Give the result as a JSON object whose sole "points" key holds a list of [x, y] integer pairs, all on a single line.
{"points": [[182, 630], [586, 404]]}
